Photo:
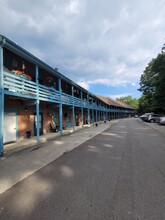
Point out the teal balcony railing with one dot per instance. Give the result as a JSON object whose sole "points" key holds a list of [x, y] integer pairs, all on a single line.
{"points": [[20, 86]]}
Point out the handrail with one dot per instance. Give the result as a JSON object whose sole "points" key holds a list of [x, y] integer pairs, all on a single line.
{"points": [[21, 86]]}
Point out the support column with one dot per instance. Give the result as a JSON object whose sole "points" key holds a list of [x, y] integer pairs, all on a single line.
{"points": [[60, 107], [37, 108], [82, 111], [104, 113], [73, 118], [73, 113], [98, 112], [88, 110], [38, 121], [92, 112], [1, 102], [96, 116], [107, 113]]}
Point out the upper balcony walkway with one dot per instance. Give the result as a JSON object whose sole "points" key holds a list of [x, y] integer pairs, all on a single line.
{"points": [[19, 86]]}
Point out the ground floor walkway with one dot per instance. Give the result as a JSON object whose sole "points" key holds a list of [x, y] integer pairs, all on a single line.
{"points": [[24, 143], [117, 174], [25, 157]]}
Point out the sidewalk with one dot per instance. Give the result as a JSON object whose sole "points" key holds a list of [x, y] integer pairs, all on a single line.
{"points": [[28, 160], [23, 143]]}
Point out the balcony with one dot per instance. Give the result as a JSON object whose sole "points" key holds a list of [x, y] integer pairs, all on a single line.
{"points": [[22, 87]]}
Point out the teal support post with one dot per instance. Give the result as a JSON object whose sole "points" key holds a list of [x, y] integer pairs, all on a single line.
{"points": [[96, 115], [61, 119], [37, 107], [82, 116], [92, 112], [60, 106], [1, 102], [106, 112], [100, 114], [73, 113], [38, 120], [88, 110], [73, 118], [82, 111]]}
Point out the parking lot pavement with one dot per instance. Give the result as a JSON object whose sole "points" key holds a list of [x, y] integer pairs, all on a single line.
{"points": [[158, 127], [23, 163]]}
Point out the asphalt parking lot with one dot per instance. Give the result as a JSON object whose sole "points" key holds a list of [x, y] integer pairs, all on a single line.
{"points": [[157, 126]]}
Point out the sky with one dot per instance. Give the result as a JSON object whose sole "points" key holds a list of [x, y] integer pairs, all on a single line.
{"points": [[102, 45]]}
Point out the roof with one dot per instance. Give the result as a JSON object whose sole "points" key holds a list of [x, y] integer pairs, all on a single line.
{"points": [[7, 43], [115, 103]]}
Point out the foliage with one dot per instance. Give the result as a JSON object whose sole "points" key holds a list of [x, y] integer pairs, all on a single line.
{"points": [[145, 104], [152, 85], [129, 100]]}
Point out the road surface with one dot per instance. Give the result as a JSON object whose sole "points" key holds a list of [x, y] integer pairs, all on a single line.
{"points": [[119, 174]]}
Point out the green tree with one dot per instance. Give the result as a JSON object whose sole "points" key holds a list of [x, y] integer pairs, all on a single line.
{"points": [[145, 104], [129, 100], [152, 84]]}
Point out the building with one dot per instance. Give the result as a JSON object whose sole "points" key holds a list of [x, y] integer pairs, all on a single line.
{"points": [[36, 99]]}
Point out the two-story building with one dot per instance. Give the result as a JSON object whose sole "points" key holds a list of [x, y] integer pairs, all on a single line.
{"points": [[36, 99]]}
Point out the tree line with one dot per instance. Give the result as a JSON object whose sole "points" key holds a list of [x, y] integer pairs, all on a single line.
{"points": [[152, 86]]}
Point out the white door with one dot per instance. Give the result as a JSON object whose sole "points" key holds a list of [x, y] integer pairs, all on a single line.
{"points": [[9, 133]]}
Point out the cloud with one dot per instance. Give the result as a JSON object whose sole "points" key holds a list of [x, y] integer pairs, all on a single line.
{"points": [[91, 42], [119, 95]]}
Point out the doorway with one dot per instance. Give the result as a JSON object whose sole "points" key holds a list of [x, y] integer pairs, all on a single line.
{"points": [[10, 127], [77, 119]]}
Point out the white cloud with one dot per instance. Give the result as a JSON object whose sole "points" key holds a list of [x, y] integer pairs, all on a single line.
{"points": [[92, 42], [107, 82], [119, 95], [74, 6], [84, 84]]}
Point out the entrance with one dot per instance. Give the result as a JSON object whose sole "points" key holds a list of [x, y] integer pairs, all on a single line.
{"points": [[10, 132], [67, 121], [77, 119]]}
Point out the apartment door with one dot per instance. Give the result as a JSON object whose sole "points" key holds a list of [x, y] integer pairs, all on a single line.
{"points": [[10, 131], [77, 119]]}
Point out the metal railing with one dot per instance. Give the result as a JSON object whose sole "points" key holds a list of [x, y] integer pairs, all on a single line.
{"points": [[20, 86]]}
